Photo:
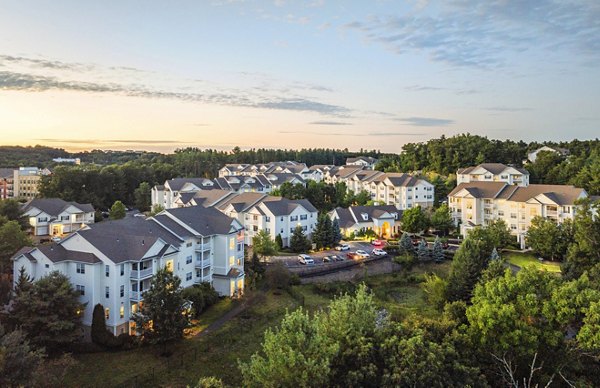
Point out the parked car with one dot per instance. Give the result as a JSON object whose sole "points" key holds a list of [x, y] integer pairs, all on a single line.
{"points": [[352, 255], [56, 239], [377, 242], [342, 247], [305, 259], [337, 258], [362, 254], [328, 259], [378, 252]]}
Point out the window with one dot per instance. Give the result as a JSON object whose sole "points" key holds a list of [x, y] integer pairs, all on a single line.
{"points": [[303, 217], [188, 276], [107, 313], [255, 228], [304, 228], [188, 259], [122, 269], [501, 213], [80, 289], [64, 218], [80, 268], [188, 244], [43, 219], [293, 218], [107, 291], [513, 226], [281, 219], [122, 291], [268, 219], [255, 217], [106, 270], [121, 311], [231, 243], [197, 273], [47, 265], [240, 246], [513, 215], [291, 230]]}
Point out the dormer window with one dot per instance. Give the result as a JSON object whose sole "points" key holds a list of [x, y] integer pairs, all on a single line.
{"points": [[395, 215], [364, 216]]}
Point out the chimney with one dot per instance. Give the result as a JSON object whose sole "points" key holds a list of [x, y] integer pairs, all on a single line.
{"points": [[142, 242]]}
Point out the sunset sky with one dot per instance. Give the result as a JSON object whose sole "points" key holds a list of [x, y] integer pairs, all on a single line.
{"points": [[289, 74]]}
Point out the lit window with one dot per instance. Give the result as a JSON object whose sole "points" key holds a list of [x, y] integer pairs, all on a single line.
{"points": [[121, 311], [107, 313]]}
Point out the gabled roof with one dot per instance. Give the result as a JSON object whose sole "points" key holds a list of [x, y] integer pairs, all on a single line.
{"points": [[354, 214], [283, 206], [57, 253], [127, 239], [177, 184], [205, 221], [494, 168], [241, 201], [55, 206], [560, 194], [366, 159], [399, 179]]}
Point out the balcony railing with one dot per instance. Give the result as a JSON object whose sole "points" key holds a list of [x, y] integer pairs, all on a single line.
{"points": [[141, 274], [202, 247], [202, 263], [136, 295]]}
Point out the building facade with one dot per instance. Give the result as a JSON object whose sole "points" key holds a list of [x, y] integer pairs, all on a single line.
{"points": [[493, 172], [55, 217], [384, 220], [478, 203], [113, 262]]}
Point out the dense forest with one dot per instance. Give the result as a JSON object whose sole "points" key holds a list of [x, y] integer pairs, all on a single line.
{"points": [[105, 176]]}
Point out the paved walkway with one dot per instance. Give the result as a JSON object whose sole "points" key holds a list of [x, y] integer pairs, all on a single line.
{"points": [[228, 316]]}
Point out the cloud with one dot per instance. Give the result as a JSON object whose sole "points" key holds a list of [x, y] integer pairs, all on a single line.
{"points": [[347, 134], [508, 109], [329, 123], [37, 83], [425, 121], [421, 88], [473, 33], [113, 141]]}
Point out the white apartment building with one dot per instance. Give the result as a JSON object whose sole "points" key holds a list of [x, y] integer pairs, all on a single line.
{"points": [[384, 220], [478, 203], [113, 262], [55, 217], [364, 161], [404, 191], [257, 211], [493, 172], [532, 156]]}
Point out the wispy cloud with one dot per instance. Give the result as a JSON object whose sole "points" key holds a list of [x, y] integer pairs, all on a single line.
{"points": [[67, 77], [508, 109], [477, 33], [425, 121], [329, 123], [347, 134], [112, 141]]}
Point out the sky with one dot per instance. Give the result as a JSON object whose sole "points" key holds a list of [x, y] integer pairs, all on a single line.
{"points": [[158, 75]]}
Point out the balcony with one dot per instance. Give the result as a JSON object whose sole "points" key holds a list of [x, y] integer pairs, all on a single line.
{"points": [[202, 247], [136, 295], [202, 263], [552, 213], [141, 274]]}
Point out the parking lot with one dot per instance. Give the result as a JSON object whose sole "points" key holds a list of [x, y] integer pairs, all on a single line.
{"points": [[292, 260]]}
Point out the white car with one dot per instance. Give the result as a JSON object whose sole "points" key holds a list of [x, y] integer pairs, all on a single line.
{"points": [[56, 239], [342, 247], [378, 252], [305, 259], [362, 254]]}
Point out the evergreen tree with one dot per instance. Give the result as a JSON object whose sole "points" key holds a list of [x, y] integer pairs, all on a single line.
{"points": [[23, 282], [49, 312], [100, 334], [279, 241], [12, 238], [298, 241], [495, 255], [117, 211], [423, 251], [13, 211], [18, 360], [319, 235], [143, 197], [584, 252], [469, 261], [163, 315], [336, 232], [438, 251], [405, 244]]}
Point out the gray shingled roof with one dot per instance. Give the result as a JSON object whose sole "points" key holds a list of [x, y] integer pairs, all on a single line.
{"points": [[494, 168], [350, 216], [178, 183], [283, 206], [206, 221], [57, 253], [55, 206], [561, 194], [128, 238]]}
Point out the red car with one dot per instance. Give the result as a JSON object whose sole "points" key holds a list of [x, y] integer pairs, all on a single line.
{"points": [[377, 242]]}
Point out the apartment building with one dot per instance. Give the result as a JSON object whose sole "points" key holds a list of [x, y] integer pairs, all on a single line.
{"points": [[532, 156], [384, 220], [26, 181], [55, 217], [493, 172], [113, 262], [478, 203], [404, 191], [257, 211], [364, 161], [6, 183]]}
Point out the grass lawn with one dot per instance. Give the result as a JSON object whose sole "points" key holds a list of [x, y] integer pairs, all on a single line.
{"points": [[528, 259], [217, 354]]}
